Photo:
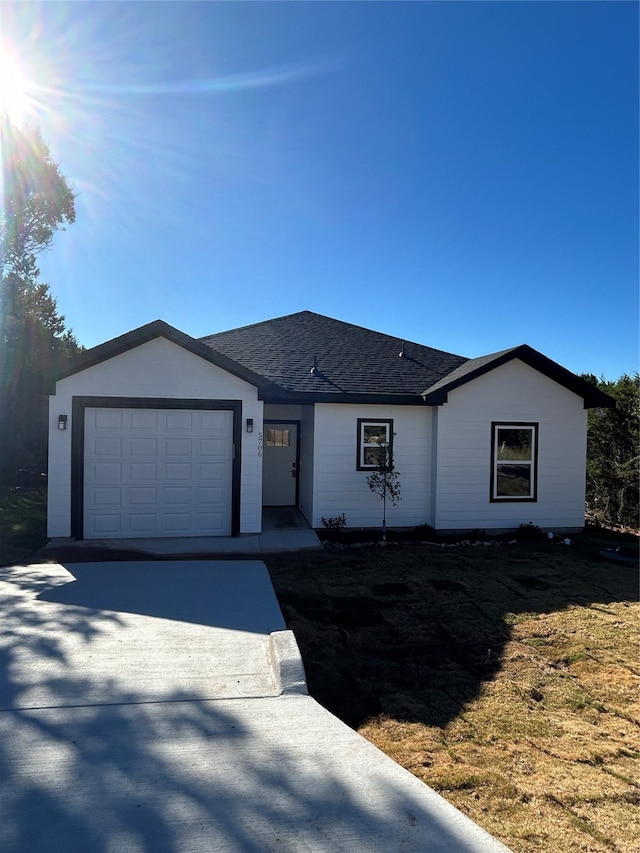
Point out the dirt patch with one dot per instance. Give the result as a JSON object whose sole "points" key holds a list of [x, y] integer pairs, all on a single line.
{"points": [[504, 676]]}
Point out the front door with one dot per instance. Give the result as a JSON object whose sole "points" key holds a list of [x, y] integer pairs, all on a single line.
{"points": [[280, 464]]}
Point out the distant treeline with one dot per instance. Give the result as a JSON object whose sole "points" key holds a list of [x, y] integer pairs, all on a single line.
{"points": [[613, 454]]}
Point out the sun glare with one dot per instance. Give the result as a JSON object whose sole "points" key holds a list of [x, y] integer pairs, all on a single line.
{"points": [[15, 100]]}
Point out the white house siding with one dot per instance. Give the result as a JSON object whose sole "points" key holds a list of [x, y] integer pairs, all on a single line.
{"points": [[307, 437], [339, 488], [159, 369], [510, 393]]}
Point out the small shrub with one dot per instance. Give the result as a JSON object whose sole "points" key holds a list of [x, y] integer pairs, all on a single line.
{"points": [[336, 522], [424, 533], [529, 533], [478, 535]]}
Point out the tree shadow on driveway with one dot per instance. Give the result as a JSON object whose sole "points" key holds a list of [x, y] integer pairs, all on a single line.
{"points": [[178, 773], [226, 594]]}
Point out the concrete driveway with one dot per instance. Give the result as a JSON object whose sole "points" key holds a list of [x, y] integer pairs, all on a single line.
{"points": [[160, 707]]}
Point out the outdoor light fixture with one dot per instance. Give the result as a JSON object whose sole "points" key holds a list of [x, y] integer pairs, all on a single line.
{"points": [[62, 421], [249, 424]]}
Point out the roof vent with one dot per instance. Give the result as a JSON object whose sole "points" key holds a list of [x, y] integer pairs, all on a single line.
{"points": [[314, 369], [401, 353]]}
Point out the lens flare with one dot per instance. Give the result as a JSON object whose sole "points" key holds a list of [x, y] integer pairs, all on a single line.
{"points": [[15, 98]]}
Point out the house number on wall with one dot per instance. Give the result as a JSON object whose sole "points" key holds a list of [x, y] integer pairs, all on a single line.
{"points": [[259, 445]]}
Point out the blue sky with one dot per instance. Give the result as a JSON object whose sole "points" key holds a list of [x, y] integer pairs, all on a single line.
{"points": [[464, 175]]}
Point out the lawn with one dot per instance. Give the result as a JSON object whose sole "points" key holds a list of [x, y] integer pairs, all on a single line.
{"points": [[504, 676]]}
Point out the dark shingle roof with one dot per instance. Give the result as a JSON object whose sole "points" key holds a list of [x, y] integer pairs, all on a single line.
{"points": [[352, 364], [350, 360]]}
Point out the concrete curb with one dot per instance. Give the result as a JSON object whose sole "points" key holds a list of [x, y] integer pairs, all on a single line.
{"points": [[285, 662]]}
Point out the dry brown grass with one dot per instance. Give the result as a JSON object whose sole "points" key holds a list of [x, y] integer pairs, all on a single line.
{"points": [[504, 677]]}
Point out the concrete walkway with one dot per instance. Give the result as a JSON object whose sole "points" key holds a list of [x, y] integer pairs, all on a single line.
{"points": [[251, 545], [160, 707]]}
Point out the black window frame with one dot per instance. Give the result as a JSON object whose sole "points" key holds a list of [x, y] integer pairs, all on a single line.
{"points": [[362, 422], [532, 497]]}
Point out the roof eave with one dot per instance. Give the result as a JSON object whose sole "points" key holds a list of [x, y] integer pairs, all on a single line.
{"points": [[592, 397], [283, 396], [144, 334]]}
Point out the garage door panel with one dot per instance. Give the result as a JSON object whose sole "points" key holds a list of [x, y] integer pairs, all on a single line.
{"points": [[109, 447], [157, 473], [107, 419], [142, 447], [142, 524], [143, 496], [178, 471], [212, 519], [177, 524], [179, 421], [178, 447], [208, 472], [212, 447], [177, 496], [106, 472], [209, 495], [110, 496], [143, 419], [212, 420], [106, 527], [140, 472]]}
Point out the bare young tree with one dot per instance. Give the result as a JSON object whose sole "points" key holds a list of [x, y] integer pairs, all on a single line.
{"points": [[385, 482]]}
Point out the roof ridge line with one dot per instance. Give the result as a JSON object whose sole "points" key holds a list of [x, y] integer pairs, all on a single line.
{"points": [[386, 335], [258, 323]]}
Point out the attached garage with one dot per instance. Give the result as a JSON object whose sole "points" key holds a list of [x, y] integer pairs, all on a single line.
{"points": [[148, 438], [157, 472]]}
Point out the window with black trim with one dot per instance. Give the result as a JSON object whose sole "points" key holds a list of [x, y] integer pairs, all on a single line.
{"points": [[373, 435], [514, 461], [278, 437]]}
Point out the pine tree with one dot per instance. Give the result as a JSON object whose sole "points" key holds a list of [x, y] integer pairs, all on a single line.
{"points": [[36, 202], [613, 454]]}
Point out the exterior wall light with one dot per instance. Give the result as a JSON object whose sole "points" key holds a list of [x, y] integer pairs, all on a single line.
{"points": [[62, 421], [249, 424]]}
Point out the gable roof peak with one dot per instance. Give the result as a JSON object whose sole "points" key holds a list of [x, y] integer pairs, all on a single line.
{"points": [[149, 332], [438, 393]]}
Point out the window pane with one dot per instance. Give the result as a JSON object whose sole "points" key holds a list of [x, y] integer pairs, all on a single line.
{"points": [[514, 481], [278, 437], [514, 444], [370, 456], [374, 433]]}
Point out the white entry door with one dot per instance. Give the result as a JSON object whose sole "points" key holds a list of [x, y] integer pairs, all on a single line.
{"points": [[280, 464], [157, 472]]}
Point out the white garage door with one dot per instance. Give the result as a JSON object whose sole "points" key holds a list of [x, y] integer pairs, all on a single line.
{"points": [[157, 472]]}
